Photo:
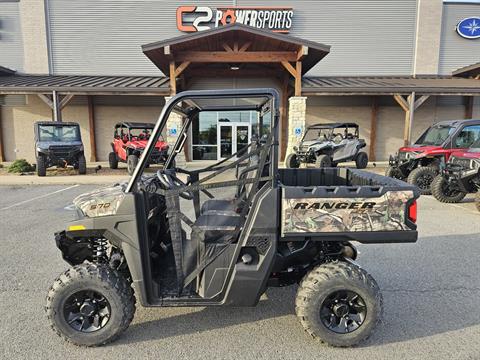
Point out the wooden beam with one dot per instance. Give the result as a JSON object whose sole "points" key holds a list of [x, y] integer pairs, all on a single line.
{"points": [[46, 100], [401, 101], [289, 68], [235, 46], [2, 153], [91, 128], [65, 100], [409, 114], [228, 72], [284, 117], [469, 107], [421, 100], [298, 79], [302, 52], [243, 57], [227, 47], [373, 128], [245, 46], [181, 68], [173, 79]]}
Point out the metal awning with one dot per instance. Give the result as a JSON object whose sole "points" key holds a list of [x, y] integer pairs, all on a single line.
{"points": [[383, 85], [84, 85], [468, 71]]}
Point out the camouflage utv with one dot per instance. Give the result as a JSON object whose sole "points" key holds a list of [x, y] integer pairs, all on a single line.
{"points": [[182, 237]]}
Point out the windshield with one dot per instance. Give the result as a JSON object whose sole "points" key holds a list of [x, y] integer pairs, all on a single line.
{"points": [[435, 135], [59, 133], [318, 134], [475, 147]]}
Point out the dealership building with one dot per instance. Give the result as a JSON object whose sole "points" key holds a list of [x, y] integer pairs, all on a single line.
{"points": [[393, 67]]}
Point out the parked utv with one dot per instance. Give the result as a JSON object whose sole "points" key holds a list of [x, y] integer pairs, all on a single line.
{"points": [[177, 242], [420, 163], [327, 145], [58, 144], [129, 142], [459, 177]]}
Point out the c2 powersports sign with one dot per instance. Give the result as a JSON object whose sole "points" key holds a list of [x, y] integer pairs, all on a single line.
{"points": [[198, 18], [469, 28]]}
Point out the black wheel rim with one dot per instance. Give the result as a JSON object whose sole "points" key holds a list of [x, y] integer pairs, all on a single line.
{"points": [[424, 181], [87, 311], [448, 191], [343, 311]]}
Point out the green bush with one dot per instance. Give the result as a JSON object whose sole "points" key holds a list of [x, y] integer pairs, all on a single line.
{"points": [[20, 166]]}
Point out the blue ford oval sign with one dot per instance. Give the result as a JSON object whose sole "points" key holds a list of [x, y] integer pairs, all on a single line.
{"points": [[469, 28]]}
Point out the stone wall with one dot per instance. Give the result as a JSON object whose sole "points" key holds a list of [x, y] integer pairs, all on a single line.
{"points": [[297, 111]]}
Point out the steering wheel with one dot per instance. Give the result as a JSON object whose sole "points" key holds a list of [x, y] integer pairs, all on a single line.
{"points": [[170, 181]]}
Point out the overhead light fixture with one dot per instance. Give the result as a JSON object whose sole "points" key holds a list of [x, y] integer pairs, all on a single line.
{"points": [[234, 67]]}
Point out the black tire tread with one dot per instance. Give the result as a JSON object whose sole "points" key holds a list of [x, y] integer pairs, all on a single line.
{"points": [[414, 173], [82, 165], [326, 272], [41, 166], [111, 278], [112, 160], [320, 159], [358, 164], [438, 193], [288, 161]]}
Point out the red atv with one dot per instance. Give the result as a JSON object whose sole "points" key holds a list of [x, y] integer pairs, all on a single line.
{"points": [[460, 176], [129, 141], [420, 163]]}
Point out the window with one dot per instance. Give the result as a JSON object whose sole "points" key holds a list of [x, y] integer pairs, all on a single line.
{"points": [[204, 136], [467, 136], [59, 133]]}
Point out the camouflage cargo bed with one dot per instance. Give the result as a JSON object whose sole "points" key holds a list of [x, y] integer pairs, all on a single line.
{"points": [[346, 204]]}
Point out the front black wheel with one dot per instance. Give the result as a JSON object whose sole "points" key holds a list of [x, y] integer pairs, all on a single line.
{"points": [[41, 165], [82, 165], [323, 161], [90, 305], [132, 162], [291, 161], [444, 193], [394, 172], [339, 304], [361, 161], [422, 177], [112, 160]]}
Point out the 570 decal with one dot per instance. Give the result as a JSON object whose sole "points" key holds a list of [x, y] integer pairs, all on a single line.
{"points": [[198, 18]]}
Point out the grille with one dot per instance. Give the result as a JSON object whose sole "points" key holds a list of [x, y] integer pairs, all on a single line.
{"points": [[464, 163], [60, 150], [402, 156]]}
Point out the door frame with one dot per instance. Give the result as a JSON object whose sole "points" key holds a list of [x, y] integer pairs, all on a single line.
{"points": [[234, 126]]}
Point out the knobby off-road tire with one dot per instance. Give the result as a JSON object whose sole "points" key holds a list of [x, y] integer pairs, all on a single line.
{"points": [[90, 278], [422, 177], [442, 193], [132, 162], [291, 162], [323, 161], [82, 165], [321, 285], [112, 160], [41, 165], [361, 160], [394, 173]]}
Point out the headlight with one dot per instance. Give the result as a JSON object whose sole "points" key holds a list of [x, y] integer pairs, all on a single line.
{"points": [[295, 148]]}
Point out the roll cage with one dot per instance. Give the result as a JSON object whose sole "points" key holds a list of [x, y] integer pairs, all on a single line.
{"points": [[332, 127]]}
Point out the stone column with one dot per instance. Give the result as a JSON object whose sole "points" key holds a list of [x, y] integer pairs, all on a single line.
{"points": [[297, 112], [174, 126]]}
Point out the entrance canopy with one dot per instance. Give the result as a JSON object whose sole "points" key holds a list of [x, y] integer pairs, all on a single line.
{"points": [[235, 50]]}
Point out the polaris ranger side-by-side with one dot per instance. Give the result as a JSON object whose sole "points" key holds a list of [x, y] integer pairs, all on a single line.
{"points": [[194, 238], [58, 144], [460, 176], [329, 144], [420, 163]]}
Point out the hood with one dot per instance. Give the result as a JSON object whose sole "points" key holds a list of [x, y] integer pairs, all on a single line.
{"points": [[141, 144], [101, 202], [47, 144], [420, 148], [469, 154]]}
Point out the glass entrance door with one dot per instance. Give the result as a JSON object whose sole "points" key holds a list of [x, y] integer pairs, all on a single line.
{"points": [[232, 137]]}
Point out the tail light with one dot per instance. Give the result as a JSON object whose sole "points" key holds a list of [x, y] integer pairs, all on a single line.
{"points": [[412, 211]]}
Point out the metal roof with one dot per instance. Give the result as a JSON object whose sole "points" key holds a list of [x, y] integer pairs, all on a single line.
{"points": [[93, 85], [468, 71], [389, 85], [6, 71], [333, 125]]}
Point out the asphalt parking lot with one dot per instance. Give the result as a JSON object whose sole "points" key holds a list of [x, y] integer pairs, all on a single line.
{"points": [[431, 294]]}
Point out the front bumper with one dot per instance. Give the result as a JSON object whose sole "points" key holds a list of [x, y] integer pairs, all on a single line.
{"points": [[462, 178]]}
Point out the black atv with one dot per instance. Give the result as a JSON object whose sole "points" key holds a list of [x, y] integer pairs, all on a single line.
{"points": [[327, 145], [199, 238], [58, 144]]}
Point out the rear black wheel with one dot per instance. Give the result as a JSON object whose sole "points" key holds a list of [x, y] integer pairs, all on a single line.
{"points": [[339, 304], [444, 193], [132, 162], [361, 161], [82, 165], [41, 165], [291, 162], [112, 160], [422, 177], [394, 172], [323, 161], [90, 305]]}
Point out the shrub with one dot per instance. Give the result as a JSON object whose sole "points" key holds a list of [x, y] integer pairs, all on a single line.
{"points": [[20, 166]]}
